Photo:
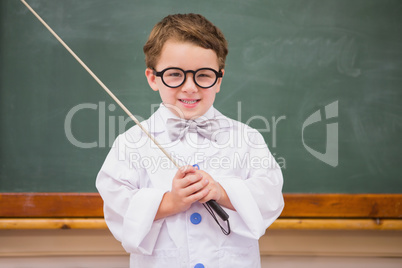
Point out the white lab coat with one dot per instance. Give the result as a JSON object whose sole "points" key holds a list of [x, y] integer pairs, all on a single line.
{"points": [[136, 174]]}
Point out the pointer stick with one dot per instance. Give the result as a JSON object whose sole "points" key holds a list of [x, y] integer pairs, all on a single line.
{"points": [[214, 205], [100, 82]]}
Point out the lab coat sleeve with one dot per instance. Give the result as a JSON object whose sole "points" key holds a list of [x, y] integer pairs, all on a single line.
{"points": [[129, 209], [257, 198]]}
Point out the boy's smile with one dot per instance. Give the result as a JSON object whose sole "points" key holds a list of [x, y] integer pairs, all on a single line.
{"points": [[188, 100]]}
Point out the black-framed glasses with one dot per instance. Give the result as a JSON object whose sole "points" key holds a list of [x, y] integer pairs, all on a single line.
{"points": [[174, 77]]}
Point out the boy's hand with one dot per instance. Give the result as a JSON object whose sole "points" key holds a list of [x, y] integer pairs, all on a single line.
{"points": [[216, 192], [188, 186]]}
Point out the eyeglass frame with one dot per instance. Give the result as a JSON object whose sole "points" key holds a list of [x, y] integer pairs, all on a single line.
{"points": [[160, 74]]}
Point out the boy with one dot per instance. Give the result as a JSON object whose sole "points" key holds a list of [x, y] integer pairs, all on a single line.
{"points": [[157, 211]]}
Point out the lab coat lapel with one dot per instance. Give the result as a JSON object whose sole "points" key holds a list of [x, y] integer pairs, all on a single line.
{"points": [[211, 149], [159, 168]]}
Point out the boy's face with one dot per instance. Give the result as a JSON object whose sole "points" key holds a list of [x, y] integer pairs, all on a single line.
{"points": [[188, 100]]}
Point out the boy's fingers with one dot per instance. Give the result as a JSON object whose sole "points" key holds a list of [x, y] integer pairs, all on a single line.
{"points": [[200, 195], [187, 169], [195, 187], [190, 179]]}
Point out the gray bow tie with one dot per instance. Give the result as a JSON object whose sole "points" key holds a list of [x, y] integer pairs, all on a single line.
{"points": [[177, 128]]}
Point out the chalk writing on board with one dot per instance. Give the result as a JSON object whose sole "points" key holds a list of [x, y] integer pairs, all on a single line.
{"points": [[300, 52]]}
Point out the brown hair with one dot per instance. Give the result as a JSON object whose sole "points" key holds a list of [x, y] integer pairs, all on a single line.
{"points": [[192, 28]]}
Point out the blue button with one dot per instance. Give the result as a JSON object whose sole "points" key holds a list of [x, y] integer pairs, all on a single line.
{"points": [[195, 218], [199, 265]]}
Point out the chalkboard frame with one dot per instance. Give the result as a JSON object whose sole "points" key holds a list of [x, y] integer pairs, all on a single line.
{"points": [[31, 205]]}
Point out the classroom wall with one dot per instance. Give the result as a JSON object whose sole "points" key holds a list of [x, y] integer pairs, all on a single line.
{"points": [[282, 248], [300, 57]]}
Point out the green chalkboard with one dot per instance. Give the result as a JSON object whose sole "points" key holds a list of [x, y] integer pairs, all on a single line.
{"points": [[321, 80]]}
